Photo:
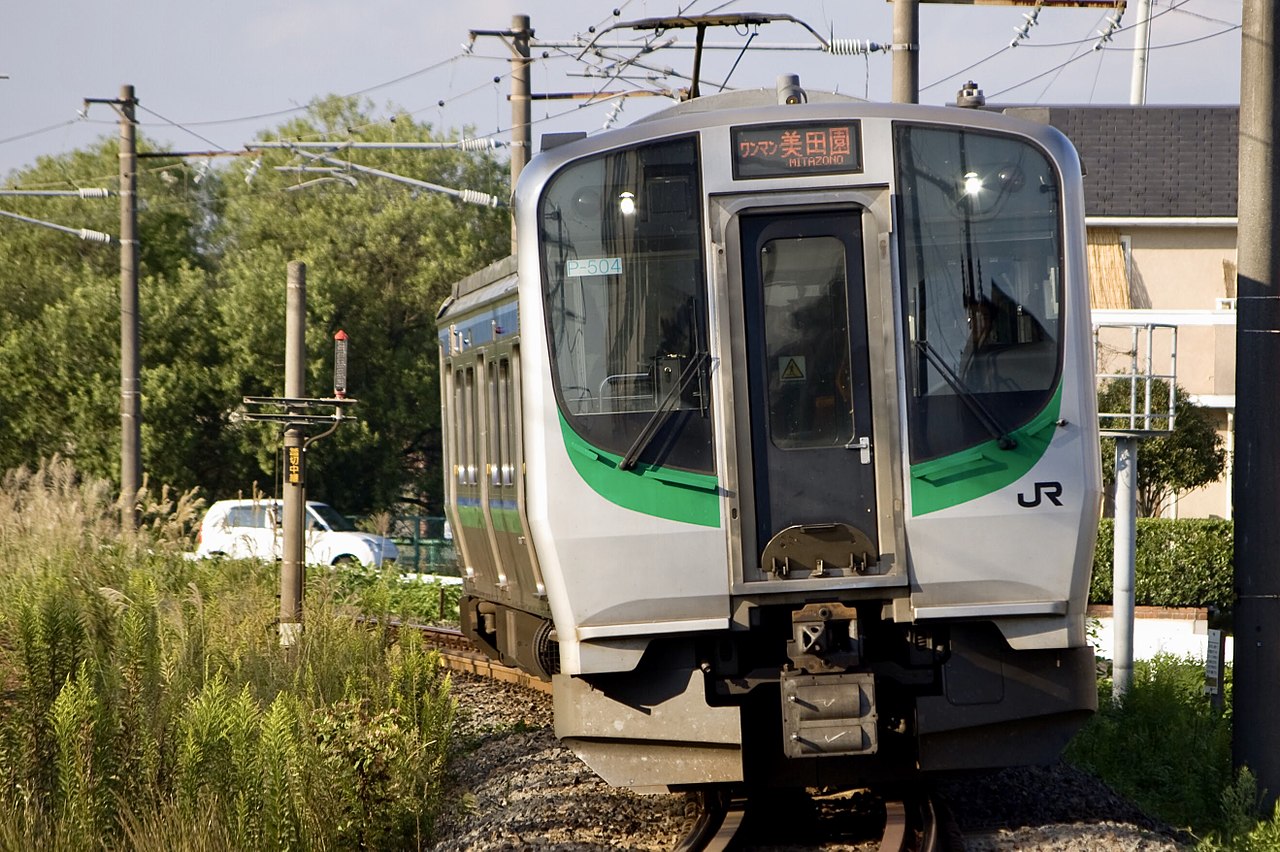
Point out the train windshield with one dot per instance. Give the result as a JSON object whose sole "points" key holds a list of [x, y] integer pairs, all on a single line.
{"points": [[622, 264], [982, 285]]}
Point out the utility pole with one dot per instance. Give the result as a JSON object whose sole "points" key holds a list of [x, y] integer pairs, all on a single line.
{"points": [[130, 368], [294, 495], [906, 51], [1256, 473], [295, 419], [517, 39], [521, 106], [1123, 576], [1141, 47]]}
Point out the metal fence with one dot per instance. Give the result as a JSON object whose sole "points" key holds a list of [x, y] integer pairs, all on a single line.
{"points": [[425, 543]]}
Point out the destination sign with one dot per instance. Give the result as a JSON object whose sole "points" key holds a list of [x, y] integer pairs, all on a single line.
{"points": [[808, 148]]}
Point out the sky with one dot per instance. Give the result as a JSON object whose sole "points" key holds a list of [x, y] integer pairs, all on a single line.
{"points": [[211, 76]]}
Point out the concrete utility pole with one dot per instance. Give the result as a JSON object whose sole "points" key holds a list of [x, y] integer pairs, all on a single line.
{"points": [[1141, 47], [295, 419], [1256, 475], [130, 386], [1123, 574], [521, 106], [294, 495], [906, 51], [517, 39], [130, 368]]}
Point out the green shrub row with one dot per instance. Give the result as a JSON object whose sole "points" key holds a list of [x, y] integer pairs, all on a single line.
{"points": [[1178, 562]]}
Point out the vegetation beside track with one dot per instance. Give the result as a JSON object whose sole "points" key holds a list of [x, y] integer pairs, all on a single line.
{"points": [[1167, 749], [145, 702]]}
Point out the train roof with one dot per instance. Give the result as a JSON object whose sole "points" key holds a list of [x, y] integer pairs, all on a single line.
{"points": [[499, 272]]}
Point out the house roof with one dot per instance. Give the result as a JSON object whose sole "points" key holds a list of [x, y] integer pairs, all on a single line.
{"points": [[1145, 161]]}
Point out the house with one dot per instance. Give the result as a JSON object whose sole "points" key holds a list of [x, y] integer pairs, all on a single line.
{"points": [[1160, 199]]}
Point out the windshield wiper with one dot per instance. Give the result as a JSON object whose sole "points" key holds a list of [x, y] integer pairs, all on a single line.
{"points": [[1004, 440], [651, 426]]}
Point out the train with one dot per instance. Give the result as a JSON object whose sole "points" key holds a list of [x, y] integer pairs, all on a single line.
{"points": [[774, 445]]}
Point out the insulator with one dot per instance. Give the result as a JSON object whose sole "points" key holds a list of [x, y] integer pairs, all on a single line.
{"points": [[93, 192], [851, 47], [94, 236], [479, 144], [484, 199]]}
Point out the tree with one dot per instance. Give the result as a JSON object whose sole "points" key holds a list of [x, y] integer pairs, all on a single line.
{"points": [[60, 322], [212, 271], [380, 259], [1190, 456]]}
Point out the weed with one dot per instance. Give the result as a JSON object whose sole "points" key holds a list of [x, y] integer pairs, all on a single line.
{"points": [[145, 701]]}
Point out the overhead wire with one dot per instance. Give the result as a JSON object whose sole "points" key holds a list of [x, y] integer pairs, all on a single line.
{"points": [[181, 127], [50, 128], [1118, 49], [1176, 7]]}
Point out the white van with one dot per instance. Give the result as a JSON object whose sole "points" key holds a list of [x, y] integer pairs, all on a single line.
{"points": [[251, 529]]}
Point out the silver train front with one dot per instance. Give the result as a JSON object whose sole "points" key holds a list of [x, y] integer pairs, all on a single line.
{"points": [[775, 445]]}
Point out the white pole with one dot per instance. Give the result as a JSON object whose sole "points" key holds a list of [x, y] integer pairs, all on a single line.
{"points": [[1125, 546], [1141, 46]]}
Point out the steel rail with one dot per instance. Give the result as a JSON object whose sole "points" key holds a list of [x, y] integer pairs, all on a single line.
{"points": [[458, 654]]}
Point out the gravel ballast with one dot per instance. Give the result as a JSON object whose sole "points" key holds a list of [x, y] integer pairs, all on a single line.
{"points": [[513, 786]]}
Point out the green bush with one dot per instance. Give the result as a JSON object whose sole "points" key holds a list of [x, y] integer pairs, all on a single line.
{"points": [[146, 702], [1184, 743], [413, 598], [1167, 749], [1178, 562]]}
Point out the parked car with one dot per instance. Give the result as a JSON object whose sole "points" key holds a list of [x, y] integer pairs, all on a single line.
{"points": [[251, 529]]}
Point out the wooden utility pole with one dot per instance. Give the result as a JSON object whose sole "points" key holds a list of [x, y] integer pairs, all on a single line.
{"points": [[1256, 472]]}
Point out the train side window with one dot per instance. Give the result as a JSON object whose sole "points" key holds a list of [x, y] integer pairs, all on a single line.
{"points": [[457, 424], [495, 424], [470, 427], [506, 431]]}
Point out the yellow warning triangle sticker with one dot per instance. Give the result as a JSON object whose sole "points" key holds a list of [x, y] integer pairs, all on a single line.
{"points": [[792, 370]]}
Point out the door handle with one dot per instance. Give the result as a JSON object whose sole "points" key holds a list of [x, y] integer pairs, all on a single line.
{"points": [[864, 446]]}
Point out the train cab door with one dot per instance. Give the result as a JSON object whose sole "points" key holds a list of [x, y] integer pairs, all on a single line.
{"points": [[804, 310]]}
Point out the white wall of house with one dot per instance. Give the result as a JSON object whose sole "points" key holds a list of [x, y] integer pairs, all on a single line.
{"points": [[1183, 271]]}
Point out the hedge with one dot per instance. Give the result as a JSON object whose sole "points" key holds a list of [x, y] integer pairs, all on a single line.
{"points": [[1179, 562]]}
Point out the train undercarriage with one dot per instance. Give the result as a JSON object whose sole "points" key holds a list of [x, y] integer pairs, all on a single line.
{"points": [[825, 694]]}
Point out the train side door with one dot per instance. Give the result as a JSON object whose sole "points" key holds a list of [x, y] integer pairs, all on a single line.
{"points": [[804, 305]]}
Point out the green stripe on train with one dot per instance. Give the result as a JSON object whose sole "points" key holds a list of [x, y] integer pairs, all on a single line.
{"points": [[951, 480], [676, 495]]}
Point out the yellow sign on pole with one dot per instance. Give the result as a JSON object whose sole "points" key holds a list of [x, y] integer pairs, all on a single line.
{"points": [[293, 465]]}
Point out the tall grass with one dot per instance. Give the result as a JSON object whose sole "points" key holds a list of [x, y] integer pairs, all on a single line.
{"points": [[1168, 750], [145, 701]]}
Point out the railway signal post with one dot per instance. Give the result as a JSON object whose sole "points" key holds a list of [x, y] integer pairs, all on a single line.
{"points": [[296, 418]]}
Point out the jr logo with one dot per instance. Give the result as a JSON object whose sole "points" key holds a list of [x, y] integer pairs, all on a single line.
{"points": [[1051, 490]]}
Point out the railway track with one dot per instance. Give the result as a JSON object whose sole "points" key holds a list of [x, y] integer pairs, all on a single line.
{"points": [[457, 653], [724, 816]]}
